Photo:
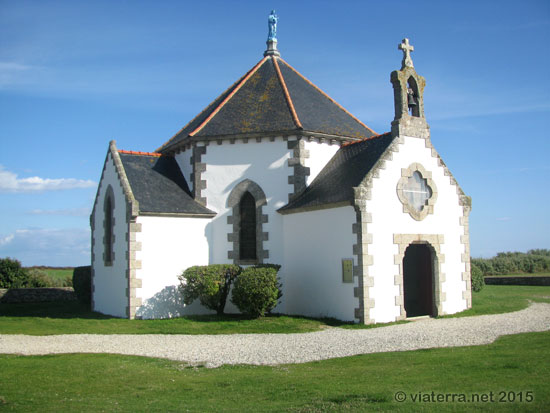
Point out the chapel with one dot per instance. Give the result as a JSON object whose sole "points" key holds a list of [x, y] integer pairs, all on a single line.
{"points": [[367, 227]]}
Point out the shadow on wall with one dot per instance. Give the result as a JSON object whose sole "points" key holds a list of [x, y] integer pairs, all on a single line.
{"points": [[168, 303]]}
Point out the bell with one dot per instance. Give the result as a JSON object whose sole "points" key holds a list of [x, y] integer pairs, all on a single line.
{"points": [[411, 100]]}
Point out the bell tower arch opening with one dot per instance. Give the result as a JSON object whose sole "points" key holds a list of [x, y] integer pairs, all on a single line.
{"points": [[413, 102]]}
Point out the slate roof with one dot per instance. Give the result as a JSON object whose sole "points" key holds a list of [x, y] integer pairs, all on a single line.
{"points": [[272, 97], [347, 168], [158, 184]]}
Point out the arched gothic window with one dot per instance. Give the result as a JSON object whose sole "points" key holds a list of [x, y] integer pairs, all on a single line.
{"points": [[108, 224], [247, 237], [247, 232]]}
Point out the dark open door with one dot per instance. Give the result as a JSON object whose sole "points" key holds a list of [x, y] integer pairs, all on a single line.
{"points": [[418, 280]]}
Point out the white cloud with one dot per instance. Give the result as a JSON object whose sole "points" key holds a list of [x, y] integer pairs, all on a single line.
{"points": [[6, 240], [12, 73], [12, 67], [9, 182], [72, 212], [55, 247]]}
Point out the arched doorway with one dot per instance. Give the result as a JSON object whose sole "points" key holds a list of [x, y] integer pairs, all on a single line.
{"points": [[418, 277]]}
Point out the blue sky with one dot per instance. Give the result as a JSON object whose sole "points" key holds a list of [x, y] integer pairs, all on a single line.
{"points": [[76, 74]]}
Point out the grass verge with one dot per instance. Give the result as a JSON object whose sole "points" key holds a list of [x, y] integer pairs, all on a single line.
{"points": [[101, 382], [497, 299], [73, 318], [523, 274]]}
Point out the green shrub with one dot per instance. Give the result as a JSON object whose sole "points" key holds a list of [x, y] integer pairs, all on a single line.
{"points": [[12, 275], [534, 261], [477, 279], [277, 267], [209, 283], [82, 284], [40, 279], [256, 290], [68, 282]]}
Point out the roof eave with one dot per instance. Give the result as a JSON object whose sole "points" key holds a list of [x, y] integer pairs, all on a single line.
{"points": [[192, 140], [212, 214], [318, 207]]}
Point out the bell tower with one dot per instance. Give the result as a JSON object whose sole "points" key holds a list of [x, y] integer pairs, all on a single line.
{"points": [[408, 92]]}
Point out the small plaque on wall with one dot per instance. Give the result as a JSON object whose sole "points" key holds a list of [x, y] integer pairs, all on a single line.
{"points": [[347, 270]]}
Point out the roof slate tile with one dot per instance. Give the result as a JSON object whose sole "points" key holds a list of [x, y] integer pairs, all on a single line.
{"points": [[347, 168], [256, 103], [159, 186]]}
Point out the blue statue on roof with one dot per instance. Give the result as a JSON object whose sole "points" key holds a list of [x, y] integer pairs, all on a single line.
{"points": [[272, 25]]}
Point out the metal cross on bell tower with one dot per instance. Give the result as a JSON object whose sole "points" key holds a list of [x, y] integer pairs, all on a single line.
{"points": [[407, 49]]}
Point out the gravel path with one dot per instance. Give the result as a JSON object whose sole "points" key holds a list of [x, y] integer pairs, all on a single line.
{"points": [[271, 349]]}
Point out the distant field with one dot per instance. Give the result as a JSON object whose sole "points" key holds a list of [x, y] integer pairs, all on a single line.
{"points": [[57, 273]]}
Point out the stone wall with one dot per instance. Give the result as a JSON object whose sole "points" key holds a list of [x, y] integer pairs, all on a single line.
{"points": [[517, 280], [34, 295]]}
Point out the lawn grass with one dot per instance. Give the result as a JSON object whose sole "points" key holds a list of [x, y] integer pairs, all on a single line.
{"points": [[73, 318], [497, 299], [523, 274], [101, 382]]}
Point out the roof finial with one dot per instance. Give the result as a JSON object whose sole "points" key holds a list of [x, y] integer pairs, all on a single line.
{"points": [[407, 49], [272, 35]]}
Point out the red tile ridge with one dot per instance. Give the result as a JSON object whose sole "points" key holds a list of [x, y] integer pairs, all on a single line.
{"points": [[328, 97], [228, 97], [365, 139], [140, 153], [287, 95]]}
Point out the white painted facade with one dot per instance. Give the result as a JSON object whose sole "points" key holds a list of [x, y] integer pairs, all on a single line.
{"points": [[169, 245], [319, 155], [314, 244], [184, 162], [110, 282], [388, 219], [309, 245], [266, 164]]}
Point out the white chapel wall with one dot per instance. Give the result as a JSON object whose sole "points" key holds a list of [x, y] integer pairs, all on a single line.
{"points": [[184, 162], [315, 243], [388, 219], [263, 162], [169, 245], [110, 282], [319, 155]]}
